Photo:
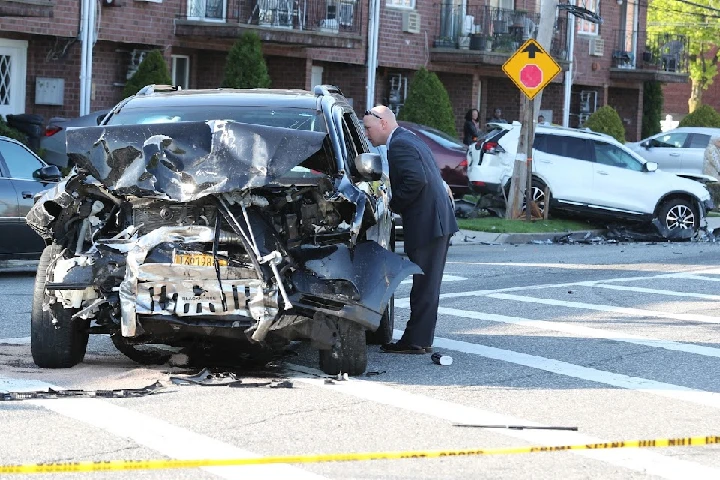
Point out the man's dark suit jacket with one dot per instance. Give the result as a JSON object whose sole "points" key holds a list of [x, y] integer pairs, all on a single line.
{"points": [[418, 192]]}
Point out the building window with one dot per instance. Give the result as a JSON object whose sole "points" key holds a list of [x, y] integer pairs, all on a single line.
{"points": [[207, 10], [181, 71], [585, 27], [407, 4]]}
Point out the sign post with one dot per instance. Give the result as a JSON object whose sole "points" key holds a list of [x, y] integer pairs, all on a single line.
{"points": [[531, 68]]}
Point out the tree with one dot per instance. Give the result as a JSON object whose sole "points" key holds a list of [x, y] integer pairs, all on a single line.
{"points": [[428, 103], [245, 67], [703, 116], [152, 71], [606, 120], [697, 21], [652, 108]]}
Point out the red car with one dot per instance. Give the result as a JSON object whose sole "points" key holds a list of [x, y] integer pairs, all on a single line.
{"points": [[450, 156]]}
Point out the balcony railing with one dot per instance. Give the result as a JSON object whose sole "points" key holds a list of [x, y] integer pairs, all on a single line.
{"points": [[490, 29], [664, 52], [330, 16]]}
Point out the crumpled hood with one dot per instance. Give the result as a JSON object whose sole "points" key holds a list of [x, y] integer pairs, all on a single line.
{"points": [[185, 161]]}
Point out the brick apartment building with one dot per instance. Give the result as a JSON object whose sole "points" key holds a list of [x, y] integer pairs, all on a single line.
{"points": [[676, 96], [306, 42]]}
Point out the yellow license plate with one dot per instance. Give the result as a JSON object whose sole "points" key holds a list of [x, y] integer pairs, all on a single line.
{"points": [[197, 260]]}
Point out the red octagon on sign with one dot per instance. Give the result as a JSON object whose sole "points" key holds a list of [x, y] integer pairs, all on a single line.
{"points": [[531, 76]]}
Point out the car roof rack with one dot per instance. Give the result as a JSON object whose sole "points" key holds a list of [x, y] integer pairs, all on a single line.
{"points": [[150, 89], [326, 90]]}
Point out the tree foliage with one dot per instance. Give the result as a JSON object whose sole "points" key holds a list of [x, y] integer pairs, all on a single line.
{"points": [[703, 116], [428, 103], [152, 71], [652, 108], [245, 67], [606, 120], [698, 22]]}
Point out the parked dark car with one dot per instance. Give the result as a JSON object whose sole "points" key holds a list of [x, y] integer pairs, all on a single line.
{"points": [[450, 156], [219, 218], [22, 176], [53, 142]]}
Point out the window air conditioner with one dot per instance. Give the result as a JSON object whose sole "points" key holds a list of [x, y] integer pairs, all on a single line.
{"points": [[411, 22], [597, 47]]}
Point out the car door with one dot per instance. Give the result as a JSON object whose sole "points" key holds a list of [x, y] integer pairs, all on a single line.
{"points": [[621, 181], [666, 149], [18, 167], [564, 163], [694, 152]]}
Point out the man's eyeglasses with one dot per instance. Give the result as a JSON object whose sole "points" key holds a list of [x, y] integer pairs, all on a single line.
{"points": [[370, 112]]}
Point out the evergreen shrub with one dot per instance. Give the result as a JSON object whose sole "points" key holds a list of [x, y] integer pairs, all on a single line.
{"points": [[428, 103], [152, 71], [703, 116], [606, 120], [245, 66]]}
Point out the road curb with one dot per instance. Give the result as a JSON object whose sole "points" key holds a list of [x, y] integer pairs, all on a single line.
{"points": [[18, 266], [470, 237]]}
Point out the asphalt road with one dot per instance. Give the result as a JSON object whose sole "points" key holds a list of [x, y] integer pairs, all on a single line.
{"points": [[620, 341]]}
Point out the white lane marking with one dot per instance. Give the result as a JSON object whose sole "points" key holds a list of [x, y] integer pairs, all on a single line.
{"points": [[638, 384], [690, 317], [585, 332], [446, 278], [637, 267], [644, 461], [15, 341], [699, 278], [669, 293], [155, 434]]}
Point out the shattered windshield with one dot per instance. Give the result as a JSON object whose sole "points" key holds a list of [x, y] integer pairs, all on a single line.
{"points": [[294, 118]]}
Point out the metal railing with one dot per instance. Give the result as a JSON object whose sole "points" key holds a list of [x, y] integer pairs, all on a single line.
{"points": [[481, 27], [331, 16], [661, 51]]}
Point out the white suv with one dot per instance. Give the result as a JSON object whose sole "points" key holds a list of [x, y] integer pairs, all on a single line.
{"points": [[592, 174]]}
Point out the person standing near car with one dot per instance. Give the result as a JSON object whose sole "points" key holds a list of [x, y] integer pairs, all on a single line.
{"points": [[471, 128], [711, 158], [419, 195]]}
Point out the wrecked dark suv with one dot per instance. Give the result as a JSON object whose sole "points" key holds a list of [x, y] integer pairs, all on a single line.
{"points": [[245, 219]]}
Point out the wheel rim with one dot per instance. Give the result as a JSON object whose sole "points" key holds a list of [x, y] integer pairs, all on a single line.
{"points": [[538, 196], [680, 216]]}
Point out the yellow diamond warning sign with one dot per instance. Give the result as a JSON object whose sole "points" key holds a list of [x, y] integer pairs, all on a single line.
{"points": [[531, 68]]}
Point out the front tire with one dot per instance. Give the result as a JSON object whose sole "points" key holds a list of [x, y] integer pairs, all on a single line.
{"points": [[56, 340], [678, 218], [349, 354], [384, 332]]}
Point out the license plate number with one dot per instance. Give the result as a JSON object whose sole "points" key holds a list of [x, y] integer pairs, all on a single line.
{"points": [[197, 260]]}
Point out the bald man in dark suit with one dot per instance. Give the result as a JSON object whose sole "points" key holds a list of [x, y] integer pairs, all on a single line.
{"points": [[421, 198]]}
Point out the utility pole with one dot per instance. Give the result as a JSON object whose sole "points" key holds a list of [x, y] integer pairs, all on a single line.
{"points": [[522, 169]]}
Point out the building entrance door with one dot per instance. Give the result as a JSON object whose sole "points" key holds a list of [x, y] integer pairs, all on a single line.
{"points": [[13, 61]]}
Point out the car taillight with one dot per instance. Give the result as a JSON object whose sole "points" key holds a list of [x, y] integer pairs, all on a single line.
{"points": [[50, 131], [490, 146], [479, 184]]}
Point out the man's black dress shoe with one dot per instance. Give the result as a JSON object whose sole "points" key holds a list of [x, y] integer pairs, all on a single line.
{"points": [[397, 347]]}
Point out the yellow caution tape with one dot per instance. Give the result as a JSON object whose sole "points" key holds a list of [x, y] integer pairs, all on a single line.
{"points": [[111, 465]]}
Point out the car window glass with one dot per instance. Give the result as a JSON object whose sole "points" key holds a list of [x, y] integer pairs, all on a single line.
{"points": [[20, 162], [440, 137], [669, 140], [606, 154], [566, 146], [539, 143], [699, 140]]}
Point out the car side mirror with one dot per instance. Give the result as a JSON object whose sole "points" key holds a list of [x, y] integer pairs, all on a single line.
{"points": [[650, 166], [99, 119], [369, 166], [48, 173], [645, 144]]}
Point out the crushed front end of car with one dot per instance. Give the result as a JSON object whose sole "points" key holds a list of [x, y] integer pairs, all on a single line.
{"points": [[214, 231]]}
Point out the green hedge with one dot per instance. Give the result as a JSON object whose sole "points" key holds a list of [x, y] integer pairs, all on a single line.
{"points": [[606, 120]]}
